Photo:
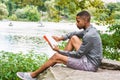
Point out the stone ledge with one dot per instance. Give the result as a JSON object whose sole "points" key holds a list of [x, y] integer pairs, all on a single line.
{"points": [[59, 72], [110, 64], [64, 73]]}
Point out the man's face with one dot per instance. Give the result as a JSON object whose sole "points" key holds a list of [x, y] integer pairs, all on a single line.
{"points": [[80, 22]]}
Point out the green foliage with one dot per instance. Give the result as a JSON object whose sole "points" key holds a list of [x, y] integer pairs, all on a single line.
{"points": [[3, 11], [108, 13], [103, 17], [112, 6], [29, 2], [58, 9], [29, 12], [11, 7], [71, 7], [10, 63], [111, 42], [20, 13], [62, 45], [117, 15], [115, 29], [110, 53], [13, 17], [53, 13], [109, 47], [32, 13], [104, 13], [96, 3]]}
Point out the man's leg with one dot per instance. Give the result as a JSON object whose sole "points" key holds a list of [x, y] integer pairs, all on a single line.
{"points": [[56, 58], [73, 43]]}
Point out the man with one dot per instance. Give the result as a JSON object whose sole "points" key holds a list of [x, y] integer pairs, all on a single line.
{"points": [[85, 54]]}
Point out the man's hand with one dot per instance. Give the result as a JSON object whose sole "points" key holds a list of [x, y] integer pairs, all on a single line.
{"points": [[56, 38], [56, 48]]}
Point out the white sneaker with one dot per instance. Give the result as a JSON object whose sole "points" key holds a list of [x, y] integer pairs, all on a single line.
{"points": [[25, 76]]}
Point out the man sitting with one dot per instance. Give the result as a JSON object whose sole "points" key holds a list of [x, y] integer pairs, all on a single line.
{"points": [[85, 54]]}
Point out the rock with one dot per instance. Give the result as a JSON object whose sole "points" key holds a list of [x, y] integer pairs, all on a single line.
{"points": [[109, 70], [64, 73], [10, 24], [110, 64], [40, 24]]}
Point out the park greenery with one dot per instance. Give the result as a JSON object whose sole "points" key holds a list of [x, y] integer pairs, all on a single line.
{"points": [[57, 10], [10, 63]]}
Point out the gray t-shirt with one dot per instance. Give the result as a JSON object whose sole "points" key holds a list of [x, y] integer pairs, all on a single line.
{"points": [[91, 46]]}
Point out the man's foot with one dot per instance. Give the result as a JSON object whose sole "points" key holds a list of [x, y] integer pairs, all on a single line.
{"points": [[25, 76]]}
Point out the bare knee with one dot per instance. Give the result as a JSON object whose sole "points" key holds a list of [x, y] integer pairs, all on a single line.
{"points": [[76, 42], [55, 56], [74, 38], [58, 58]]}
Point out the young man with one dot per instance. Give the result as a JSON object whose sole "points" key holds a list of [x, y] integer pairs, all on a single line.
{"points": [[85, 54]]}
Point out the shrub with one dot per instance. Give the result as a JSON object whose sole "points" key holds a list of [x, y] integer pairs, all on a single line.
{"points": [[13, 17], [10, 63], [32, 13], [117, 15], [29, 12], [20, 13], [3, 11], [115, 29], [110, 47], [62, 45]]}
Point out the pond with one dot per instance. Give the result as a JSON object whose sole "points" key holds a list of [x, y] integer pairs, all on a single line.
{"points": [[28, 36]]}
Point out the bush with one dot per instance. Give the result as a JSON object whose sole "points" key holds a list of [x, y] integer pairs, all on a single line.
{"points": [[3, 11], [115, 29], [111, 42], [62, 45], [53, 13], [32, 13], [29, 12], [20, 13], [110, 48], [117, 15], [10, 63], [13, 17]]}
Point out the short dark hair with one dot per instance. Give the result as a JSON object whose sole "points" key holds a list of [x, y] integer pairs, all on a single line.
{"points": [[85, 15]]}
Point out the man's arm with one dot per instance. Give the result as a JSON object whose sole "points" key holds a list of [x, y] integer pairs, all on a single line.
{"points": [[69, 35], [83, 50]]}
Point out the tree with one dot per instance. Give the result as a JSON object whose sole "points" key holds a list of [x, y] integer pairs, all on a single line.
{"points": [[3, 11], [28, 12], [22, 3], [53, 13], [68, 8]]}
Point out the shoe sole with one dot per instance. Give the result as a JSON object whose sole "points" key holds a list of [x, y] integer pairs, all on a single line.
{"points": [[20, 76]]}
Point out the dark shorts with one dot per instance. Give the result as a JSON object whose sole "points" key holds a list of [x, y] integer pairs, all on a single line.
{"points": [[81, 64]]}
